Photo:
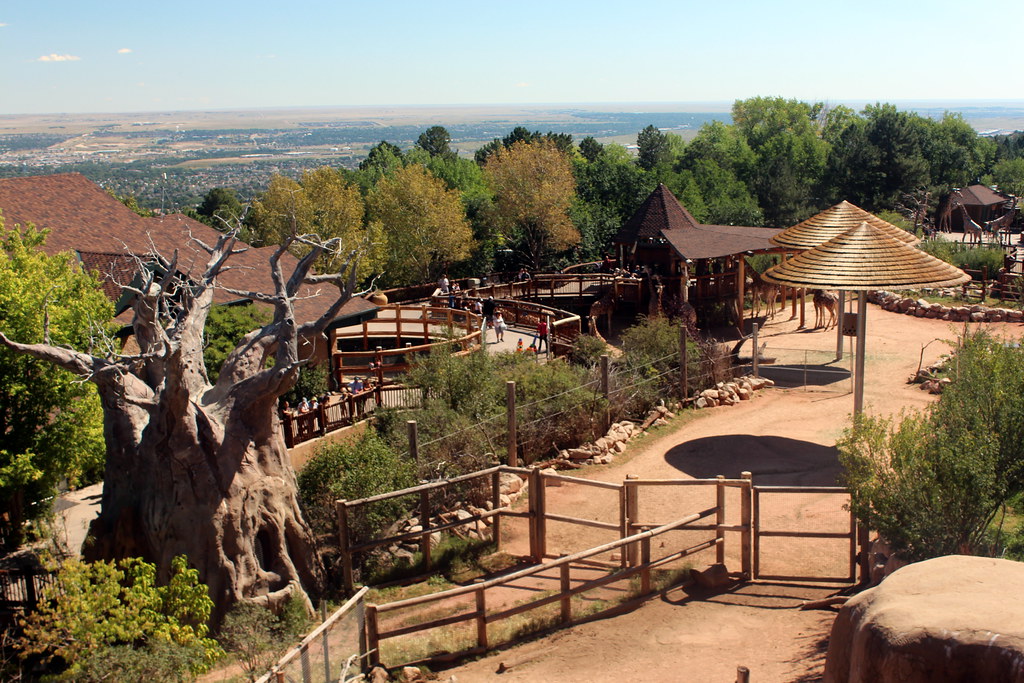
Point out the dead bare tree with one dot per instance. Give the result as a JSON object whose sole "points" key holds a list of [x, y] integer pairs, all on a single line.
{"points": [[200, 469]]}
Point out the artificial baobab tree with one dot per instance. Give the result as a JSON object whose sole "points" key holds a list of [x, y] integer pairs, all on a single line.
{"points": [[201, 469]]}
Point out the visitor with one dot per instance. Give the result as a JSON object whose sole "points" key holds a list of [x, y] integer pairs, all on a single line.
{"points": [[304, 406], [542, 335], [453, 294], [499, 326], [523, 275], [487, 313], [442, 284]]}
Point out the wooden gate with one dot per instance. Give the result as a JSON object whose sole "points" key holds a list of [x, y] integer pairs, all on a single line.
{"points": [[822, 522]]}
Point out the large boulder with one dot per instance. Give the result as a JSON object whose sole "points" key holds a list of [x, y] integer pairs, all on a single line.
{"points": [[953, 618]]}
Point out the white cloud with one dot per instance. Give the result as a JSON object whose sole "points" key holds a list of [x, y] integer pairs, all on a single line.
{"points": [[58, 58], [2, 24], [522, 84], [124, 51]]}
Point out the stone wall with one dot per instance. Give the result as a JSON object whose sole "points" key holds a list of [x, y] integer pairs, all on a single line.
{"points": [[920, 308]]}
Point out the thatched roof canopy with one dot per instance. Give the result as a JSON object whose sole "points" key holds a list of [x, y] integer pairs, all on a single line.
{"points": [[864, 258], [834, 221]]}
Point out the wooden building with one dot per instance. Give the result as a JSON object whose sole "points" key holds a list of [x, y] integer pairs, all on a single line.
{"points": [[664, 241]]}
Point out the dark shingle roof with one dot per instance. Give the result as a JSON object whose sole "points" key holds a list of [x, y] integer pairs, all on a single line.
{"points": [[982, 195], [82, 217], [661, 216]]}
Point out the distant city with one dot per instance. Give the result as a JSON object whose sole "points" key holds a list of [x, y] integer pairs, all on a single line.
{"points": [[170, 159]]}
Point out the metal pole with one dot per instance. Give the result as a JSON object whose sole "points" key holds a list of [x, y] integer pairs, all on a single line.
{"points": [[839, 325], [858, 377], [510, 401], [757, 352]]}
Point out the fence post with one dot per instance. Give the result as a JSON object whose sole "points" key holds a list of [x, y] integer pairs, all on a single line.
{"points": [[536, 482], [512, 449], [606, 390], [645, 565], [623, 523], [632, 508], [425, 523], [864, 538], [289, 437], [757, 352], [321, 409], [495, 504], [684, 380], [414, 440], [746, 520], [364, 662], [720, 519], [564, 588], [326, 643], [372, 639], [481, 619], [341, 509]]}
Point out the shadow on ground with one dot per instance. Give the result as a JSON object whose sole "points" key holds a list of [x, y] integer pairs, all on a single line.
{"points": [[773, 460]]}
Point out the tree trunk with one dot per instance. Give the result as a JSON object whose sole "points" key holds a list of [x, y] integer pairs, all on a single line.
{"points": [[219, 489]]}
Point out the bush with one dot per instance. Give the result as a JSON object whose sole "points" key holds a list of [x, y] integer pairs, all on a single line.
{"points": [[933, 483], [965, 257], [226, 326], [93, 607], [257, 637], [352, 470], [587, 350]]}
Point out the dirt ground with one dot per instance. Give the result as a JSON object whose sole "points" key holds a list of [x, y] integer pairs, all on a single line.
{"points": [[784, 436]]}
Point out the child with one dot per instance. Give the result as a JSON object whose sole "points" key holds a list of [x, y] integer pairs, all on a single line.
{"points": [[499, 327], [519, 345]]}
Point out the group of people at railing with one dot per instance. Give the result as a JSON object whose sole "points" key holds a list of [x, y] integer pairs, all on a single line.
{"points": [[354, 401]]}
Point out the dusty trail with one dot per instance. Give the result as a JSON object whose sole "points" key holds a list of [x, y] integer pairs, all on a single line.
{"points": [[783, 436]]}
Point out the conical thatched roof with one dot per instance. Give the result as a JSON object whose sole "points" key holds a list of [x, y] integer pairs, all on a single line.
{"points": [[834, 221], [865, 258]]}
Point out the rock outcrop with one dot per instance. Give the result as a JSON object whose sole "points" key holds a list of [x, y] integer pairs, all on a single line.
{"points": [[953, 618], [919, 308]]}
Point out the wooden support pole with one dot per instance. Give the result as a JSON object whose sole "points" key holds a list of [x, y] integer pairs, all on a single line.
{"points": [[684, 378], [425, 523], [481, 619], [511, 446], [839, 324], [720, 519], [623, 523], [372, 637], [746, 519], [565, 586], [495, 504], [541, 493], [344, 542], [414, 439], [645, 564], [632, 512], [756, 370], [864, 537]]}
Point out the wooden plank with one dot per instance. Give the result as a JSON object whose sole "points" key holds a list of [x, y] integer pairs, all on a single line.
{"points": [[583, 482], [583, 522]]}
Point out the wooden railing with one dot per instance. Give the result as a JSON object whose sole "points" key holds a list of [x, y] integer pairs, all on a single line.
{"points": [[20, 589], [343, 410]]}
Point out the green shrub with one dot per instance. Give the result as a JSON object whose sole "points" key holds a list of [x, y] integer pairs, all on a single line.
{"points": [[95, 606], [587, 350], [966, 257], [352, 470], [226, 326], [258, 638]]}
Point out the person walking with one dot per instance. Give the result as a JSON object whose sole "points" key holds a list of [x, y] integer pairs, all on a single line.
{"points": [[499, 326], [542, 335], [487, 317]]}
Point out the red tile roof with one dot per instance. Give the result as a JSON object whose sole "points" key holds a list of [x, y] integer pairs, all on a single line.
{"points": [[661, 216], [82, 217]]}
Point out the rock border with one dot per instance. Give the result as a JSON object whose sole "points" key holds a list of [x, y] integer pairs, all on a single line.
{"points": [[919, 308]]}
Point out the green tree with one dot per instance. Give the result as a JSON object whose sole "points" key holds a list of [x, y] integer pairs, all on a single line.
{"points": [[225, 328], [424, 222], [591, 149], [383, 159], [654, 150], [220, 208], [534, 188], [93, 606], [436, 142], [1008, 175], [789, 155], [933, 483], [50, 424]]}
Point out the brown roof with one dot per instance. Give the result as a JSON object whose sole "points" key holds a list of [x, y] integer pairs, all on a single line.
{"points": [[113, 270], [661, 216], [82, 217], [864, 257], [833, 221], [982, 195]]}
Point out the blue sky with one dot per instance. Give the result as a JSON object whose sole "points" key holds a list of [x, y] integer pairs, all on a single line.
{"points": [[114, 56]]}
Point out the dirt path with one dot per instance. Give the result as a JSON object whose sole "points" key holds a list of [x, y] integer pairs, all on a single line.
{"points": [[783, 436]]}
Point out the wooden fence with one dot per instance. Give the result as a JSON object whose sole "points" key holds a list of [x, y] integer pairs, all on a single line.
{"points": [[20, 589], [343, 410]]}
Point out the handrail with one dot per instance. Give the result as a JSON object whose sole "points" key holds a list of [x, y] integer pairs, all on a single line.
{"points": [[544, 566]]}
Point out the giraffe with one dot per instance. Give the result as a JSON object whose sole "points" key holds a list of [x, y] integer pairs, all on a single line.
{"points": [[1001, 226], [762, 293], [603, 306], [825, 303], [971, 229]]}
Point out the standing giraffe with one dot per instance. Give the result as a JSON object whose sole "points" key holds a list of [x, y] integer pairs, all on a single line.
{"points": [[825, 303], [971, 228], [763, 293], [1001, 226]]}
